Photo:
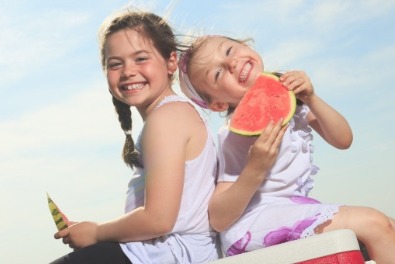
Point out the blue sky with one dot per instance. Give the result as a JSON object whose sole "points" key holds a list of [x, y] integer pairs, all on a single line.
{"points": [[59, 132]]}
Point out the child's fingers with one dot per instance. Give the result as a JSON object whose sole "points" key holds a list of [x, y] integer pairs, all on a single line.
{"points": [[293, 79], [293, 84], [269, 135], [66, 240], [268, 130], [298, 82], [273, 130], [277, 135], [288, 77], [280, 136], [265, 149], [61, 234]]}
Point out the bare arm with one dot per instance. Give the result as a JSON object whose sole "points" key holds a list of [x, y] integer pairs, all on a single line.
{"points": [[165, 151], [323, 118], [231, 199]]}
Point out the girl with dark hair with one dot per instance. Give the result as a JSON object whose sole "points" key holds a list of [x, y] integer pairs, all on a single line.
{"points": [[174, 158]]}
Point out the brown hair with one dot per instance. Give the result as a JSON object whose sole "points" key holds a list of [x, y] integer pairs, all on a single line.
{"points": [[161, 34]]}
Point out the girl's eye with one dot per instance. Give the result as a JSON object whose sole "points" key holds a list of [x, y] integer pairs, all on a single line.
{"points": [[141, 59], [217, 73], [228, 51], [113, 65]]}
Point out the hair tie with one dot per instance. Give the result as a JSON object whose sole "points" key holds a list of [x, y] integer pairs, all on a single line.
{"points": [[128, 132], [185, 84]]}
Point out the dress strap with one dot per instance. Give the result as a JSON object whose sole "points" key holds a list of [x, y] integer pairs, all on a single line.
{"points": [[172, 98], [178, 98]]}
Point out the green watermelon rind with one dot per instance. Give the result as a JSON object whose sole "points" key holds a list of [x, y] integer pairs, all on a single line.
{"points": [[285, 120]]}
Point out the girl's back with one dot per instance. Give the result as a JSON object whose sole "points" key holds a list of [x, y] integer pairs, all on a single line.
{"points": [[191, 232]]}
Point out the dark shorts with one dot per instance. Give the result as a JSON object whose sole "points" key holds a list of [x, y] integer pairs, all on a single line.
{"points": [[100, 253]]}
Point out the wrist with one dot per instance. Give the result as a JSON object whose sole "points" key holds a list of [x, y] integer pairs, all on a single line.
{"points": [[309, 99], [256, 175], [100, 237]]}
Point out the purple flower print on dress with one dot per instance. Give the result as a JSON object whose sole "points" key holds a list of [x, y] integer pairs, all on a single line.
{"points": [[285, 234], [240, 246], [304, 200]]}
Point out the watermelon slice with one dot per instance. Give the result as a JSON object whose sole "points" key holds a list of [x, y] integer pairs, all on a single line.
{"points": [[266, 100], [59, 218]]}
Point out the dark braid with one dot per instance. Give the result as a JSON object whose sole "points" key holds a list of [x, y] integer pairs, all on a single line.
{"points": [[129, 154]]}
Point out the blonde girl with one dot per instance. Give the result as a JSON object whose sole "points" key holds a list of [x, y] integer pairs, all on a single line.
{"points": [[261, 198]]}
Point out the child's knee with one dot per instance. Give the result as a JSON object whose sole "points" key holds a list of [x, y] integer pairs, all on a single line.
{"points": [[376, 221], [364, 221]]}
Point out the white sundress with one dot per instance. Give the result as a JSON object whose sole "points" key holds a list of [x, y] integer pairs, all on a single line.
{"points": [[280, 210]]}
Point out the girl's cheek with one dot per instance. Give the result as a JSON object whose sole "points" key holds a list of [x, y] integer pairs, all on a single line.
{"points": [[112, 76], [112, 81]]}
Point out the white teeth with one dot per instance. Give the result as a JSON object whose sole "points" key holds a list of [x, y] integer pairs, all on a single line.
{"points": [[134, 86], [245, 71]]}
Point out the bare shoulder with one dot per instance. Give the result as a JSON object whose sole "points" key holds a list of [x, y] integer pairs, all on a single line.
{"points": [[176, 125], [175, 114], [176, 117]]}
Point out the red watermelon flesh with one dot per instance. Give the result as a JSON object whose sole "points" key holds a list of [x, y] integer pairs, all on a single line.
{"points": [[266, 100]]}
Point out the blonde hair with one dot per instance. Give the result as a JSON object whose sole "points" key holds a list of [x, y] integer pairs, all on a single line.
{"points": [[190, 54]]}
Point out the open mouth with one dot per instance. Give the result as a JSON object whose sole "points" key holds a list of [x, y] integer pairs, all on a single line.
{"points": [[133, 86], [245, 71]]}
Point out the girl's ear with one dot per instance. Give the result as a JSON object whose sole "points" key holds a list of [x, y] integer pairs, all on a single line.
{"points": [[172, 63], [218, 106]]}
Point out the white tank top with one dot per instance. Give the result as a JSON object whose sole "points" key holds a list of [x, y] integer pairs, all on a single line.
{"points": [[191, 240]]}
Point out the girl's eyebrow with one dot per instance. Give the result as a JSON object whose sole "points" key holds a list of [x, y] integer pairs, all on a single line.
{"points": [[219, 49], [136, 53], [220, 46], [141, 51]]}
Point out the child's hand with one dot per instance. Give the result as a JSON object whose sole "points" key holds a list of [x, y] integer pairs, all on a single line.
{"points": [[299, 83], [79, 235], [265, 149]]}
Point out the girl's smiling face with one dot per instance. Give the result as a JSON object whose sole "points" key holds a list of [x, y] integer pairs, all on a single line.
{"points": [[224, 69], [137, 74]]}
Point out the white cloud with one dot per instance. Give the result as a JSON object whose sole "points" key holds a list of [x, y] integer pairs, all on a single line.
{"points": [[289, 53], [382, 58], [87, 118], [34, 39], [336, 15]]}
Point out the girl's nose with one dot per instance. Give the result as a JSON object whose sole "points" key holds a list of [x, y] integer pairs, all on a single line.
{"points": [[232, 63], [129, 70]]}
